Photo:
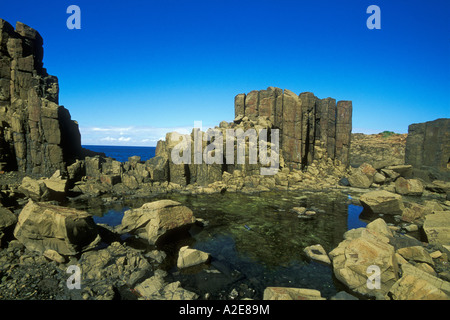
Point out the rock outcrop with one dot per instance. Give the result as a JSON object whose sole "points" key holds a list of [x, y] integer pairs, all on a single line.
{"points": [[43, 226], [37, 135], [428, 148], [380, 150], [305, 122], [296, 130]]}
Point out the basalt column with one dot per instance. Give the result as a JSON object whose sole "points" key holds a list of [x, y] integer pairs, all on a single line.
{"points": [[305, 122], [36, 135], [428, 145]]}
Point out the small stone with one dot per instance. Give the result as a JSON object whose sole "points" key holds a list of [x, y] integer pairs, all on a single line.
{"points": [[416, 253], [54, 256], [436, 254], [234, 294], [299, 210], [317, 252], [411, 228], [188, 257]]}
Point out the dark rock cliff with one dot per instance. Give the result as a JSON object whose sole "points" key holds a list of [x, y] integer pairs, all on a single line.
{"points": [[37, 135]]}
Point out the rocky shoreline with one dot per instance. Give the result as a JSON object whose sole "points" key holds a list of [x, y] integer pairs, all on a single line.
{"points": [[49, 249], [115, 270]]}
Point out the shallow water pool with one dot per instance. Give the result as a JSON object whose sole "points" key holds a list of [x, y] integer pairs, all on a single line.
{"points": [[255, 240]]}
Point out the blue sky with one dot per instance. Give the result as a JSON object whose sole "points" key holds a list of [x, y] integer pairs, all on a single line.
{"points": [[138, 69]]}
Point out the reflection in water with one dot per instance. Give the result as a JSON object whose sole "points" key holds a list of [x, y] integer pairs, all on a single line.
{"points": [[353, 220], [256, 240]]}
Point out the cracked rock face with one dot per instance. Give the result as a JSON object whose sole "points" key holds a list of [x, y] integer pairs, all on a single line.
{"points": [[37, 135]]}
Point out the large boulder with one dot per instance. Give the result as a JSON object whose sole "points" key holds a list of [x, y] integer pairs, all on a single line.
{"points": [[362, 177], [155, 219], [45, 189], [414, 212], [416, 284], [382, 202], [68, 231], [34, 189], [359, 180], [57, 186], [355, 258], [410, 187], [437, 227]]}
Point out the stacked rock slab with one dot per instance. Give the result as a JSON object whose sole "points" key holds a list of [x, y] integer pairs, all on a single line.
{"points": [[428, 144], [304, 120], [36, 134]]}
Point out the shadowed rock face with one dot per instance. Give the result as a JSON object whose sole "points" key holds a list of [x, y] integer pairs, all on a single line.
{"points": [[305, 122], [36, 134], [428, 144]]}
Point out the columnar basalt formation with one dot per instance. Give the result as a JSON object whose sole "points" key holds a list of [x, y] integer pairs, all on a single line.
{"points": [[309, 129], [36, 134], [428, 144], [305, 122]]}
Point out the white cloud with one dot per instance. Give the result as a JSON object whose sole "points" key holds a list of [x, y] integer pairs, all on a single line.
{"points": [[128, 136], [108, 139]]}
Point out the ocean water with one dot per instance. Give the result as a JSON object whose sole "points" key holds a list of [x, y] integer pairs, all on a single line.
{"points": [[122, 153]]}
